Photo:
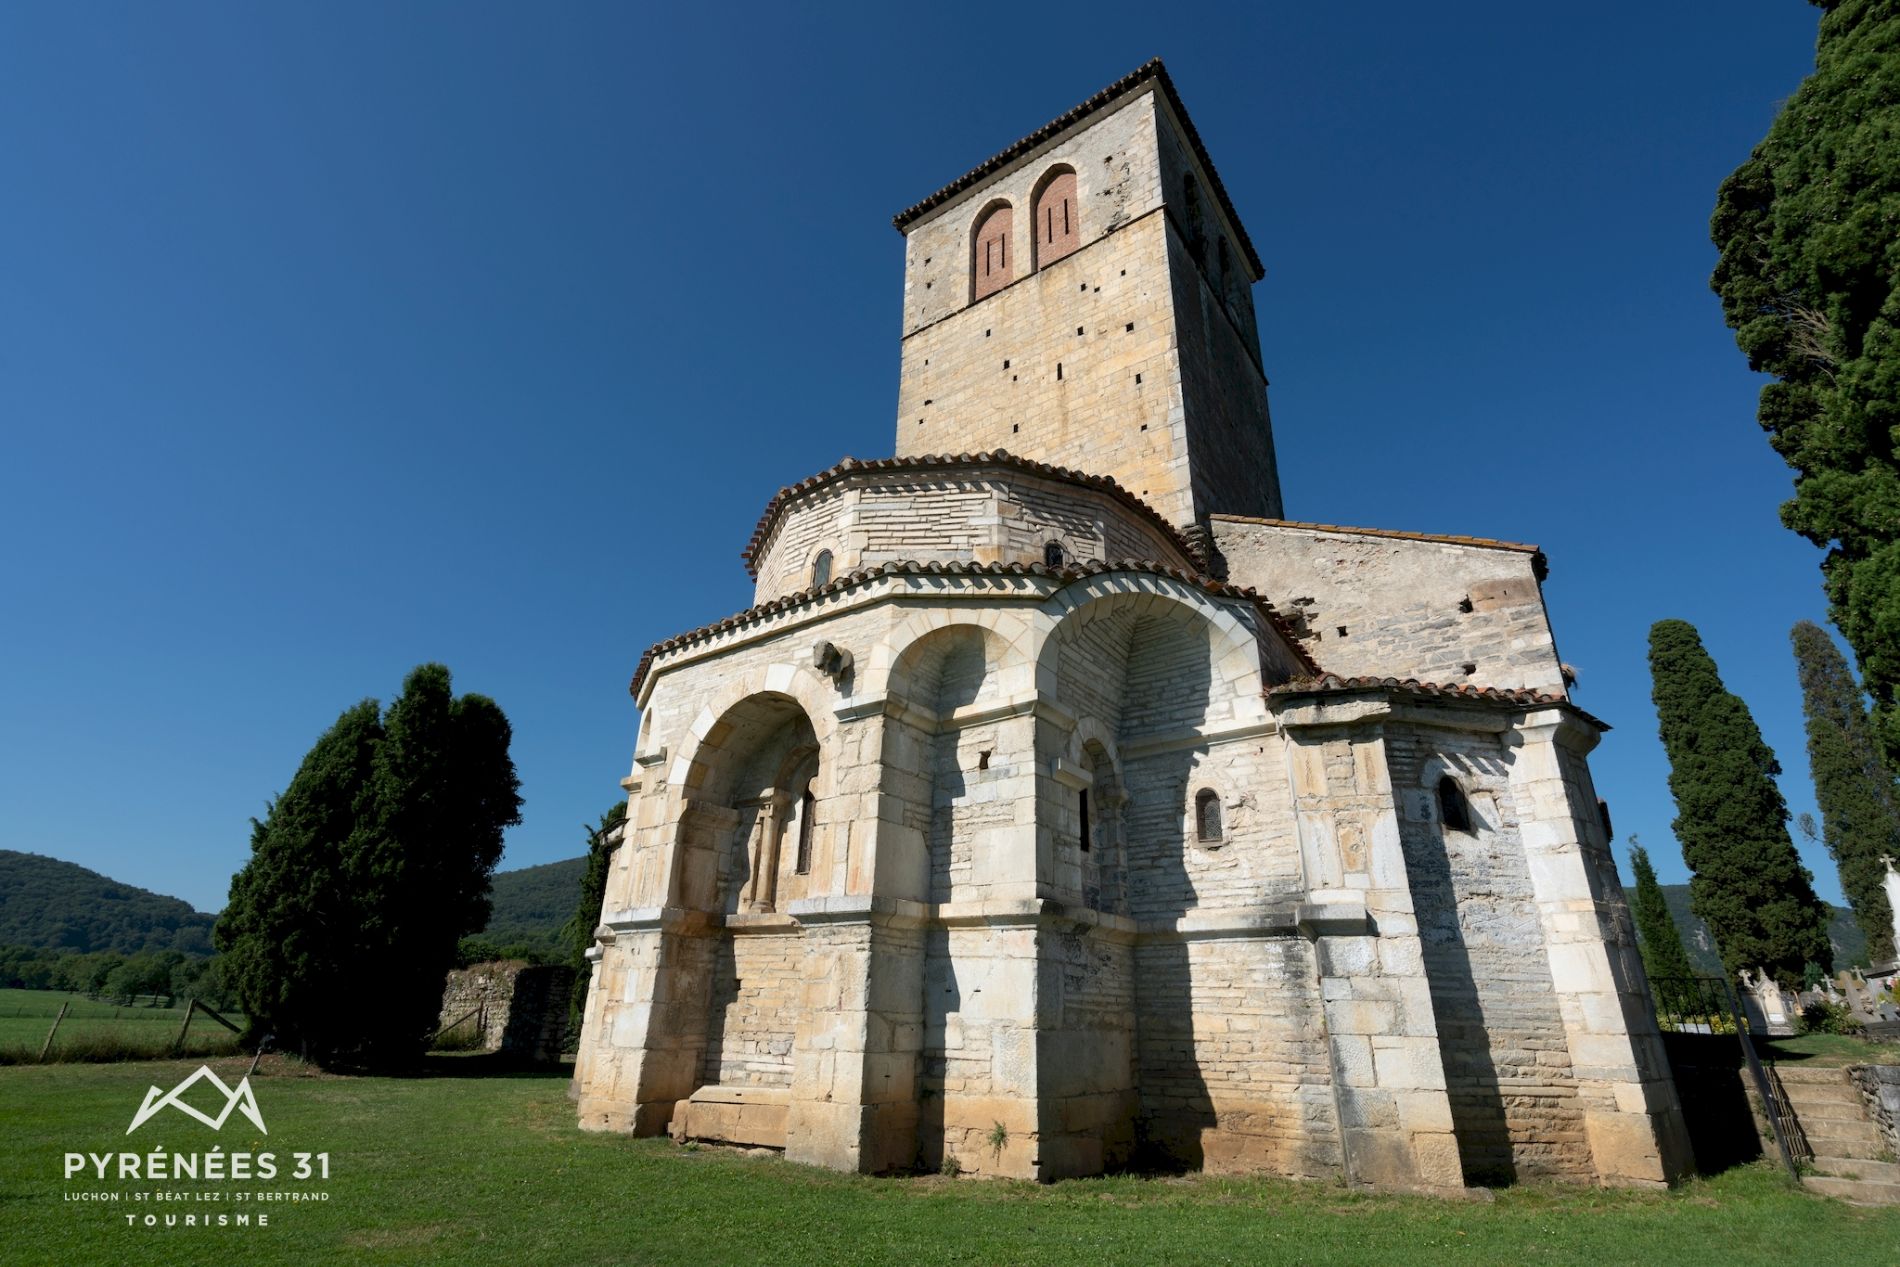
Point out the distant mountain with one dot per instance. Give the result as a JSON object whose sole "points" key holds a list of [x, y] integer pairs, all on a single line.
{"points": [[531, 905], [1850, 944], [52, 905]]}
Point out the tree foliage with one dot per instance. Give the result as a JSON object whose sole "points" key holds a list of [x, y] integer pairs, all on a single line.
{"points": [[367, 872], [1664, 956], [1809, 277], [59, 905], [579, 931], [1860, 809], [1747, 882]]}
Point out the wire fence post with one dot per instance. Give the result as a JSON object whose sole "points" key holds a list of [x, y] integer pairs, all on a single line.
{"points": [[48, 1044]]}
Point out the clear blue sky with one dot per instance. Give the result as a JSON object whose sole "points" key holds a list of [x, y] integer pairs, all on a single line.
{"points": [[335, 338]]}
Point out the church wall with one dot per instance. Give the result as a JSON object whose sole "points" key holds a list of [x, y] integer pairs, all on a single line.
{"points": [[1500, 1026], [943, 516], [1066, 398], [979, 1066], [756, 994], [1171, 871], [1116, 183], [1229, 435], [1086, 1051], [1232, 1056], [1399, 602]]}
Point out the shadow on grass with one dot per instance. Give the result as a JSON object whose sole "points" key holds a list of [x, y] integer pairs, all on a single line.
{"points": [[482, 1065]]}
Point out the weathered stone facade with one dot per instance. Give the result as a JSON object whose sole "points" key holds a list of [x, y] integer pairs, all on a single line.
{"points": [[1019, 829]]}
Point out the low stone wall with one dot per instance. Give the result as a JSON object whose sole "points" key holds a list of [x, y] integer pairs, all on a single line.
{"points": [[1880, 1088], [520, 1009]]}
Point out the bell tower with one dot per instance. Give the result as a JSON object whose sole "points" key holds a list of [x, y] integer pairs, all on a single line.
{"points": [[1085, 298]]}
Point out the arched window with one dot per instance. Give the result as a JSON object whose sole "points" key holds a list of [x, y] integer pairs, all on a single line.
{"points": [[1453, 809], [1207, 824], [990, 263], [821, 569], [1058, 224], [1053, 554]]}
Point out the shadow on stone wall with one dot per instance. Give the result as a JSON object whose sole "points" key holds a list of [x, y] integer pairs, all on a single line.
{"points": [[1464, 1041]]}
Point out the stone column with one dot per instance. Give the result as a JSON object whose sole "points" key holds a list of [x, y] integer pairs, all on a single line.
{"points": [[1631, 1115]]}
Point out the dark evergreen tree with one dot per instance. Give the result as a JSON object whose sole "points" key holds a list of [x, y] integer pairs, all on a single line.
{"points": [[1747, 882], [1657, 936], [1809, 277], [367, 872], [579, 931], [1860, 809]]}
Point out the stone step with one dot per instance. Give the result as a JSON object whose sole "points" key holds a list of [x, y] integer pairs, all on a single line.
{"points": [[1816, 1094], [1794, 1075], [1858, 1168], [1862, 1147], [1815, 1114], [1853, 1191]]}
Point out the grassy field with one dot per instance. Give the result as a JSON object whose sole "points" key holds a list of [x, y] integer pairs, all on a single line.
{"points": [[92, 1025], [1829, 1051], [472, 1166]]}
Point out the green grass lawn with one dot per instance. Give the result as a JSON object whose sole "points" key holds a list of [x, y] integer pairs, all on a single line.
{"points": [[1816, 1051], [27, 1015], [489, 1168]]}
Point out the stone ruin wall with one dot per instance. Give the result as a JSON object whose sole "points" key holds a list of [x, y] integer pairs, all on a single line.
{"points": [[520, 1008]]}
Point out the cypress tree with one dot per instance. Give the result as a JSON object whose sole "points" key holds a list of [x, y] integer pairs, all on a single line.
{"points": [[1656, 933], [369, 870], [1860, 810], [1809, 278], [1748, 884]]}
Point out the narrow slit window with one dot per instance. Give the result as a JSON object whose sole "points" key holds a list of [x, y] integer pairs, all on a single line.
{"points": [[1082, 803], [1453, 809], [806, 810]]}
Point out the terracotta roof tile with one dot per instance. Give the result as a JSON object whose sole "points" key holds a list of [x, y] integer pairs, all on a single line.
{"points": [[909, 567], [1539, 563], [1152, 70], [1332, 683], [946, 461]]}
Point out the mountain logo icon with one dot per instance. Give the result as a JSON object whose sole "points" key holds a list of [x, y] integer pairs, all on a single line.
{"points": [[239, 1098]]}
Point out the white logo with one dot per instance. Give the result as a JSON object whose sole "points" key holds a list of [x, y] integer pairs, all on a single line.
{"points": [[239, 1098]]}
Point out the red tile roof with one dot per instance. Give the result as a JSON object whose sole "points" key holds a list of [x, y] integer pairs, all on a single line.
{"points": [[1152, 70], [1334, 684], [1539, 563], [1002, 458], [907, 567]]}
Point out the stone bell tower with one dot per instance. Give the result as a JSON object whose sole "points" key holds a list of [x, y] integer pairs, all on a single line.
{"points": [[1085, 298]]}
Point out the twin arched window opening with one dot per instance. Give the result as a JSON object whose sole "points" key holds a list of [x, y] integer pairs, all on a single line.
{"points": [[1055, 231]]}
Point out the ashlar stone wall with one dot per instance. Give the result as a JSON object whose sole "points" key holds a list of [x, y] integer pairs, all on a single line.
{"points": [[1375, 604], [966, 514], [1134, 356]]}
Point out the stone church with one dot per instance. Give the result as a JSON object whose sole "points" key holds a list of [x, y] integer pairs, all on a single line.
{"points": [[1061, 806]]}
